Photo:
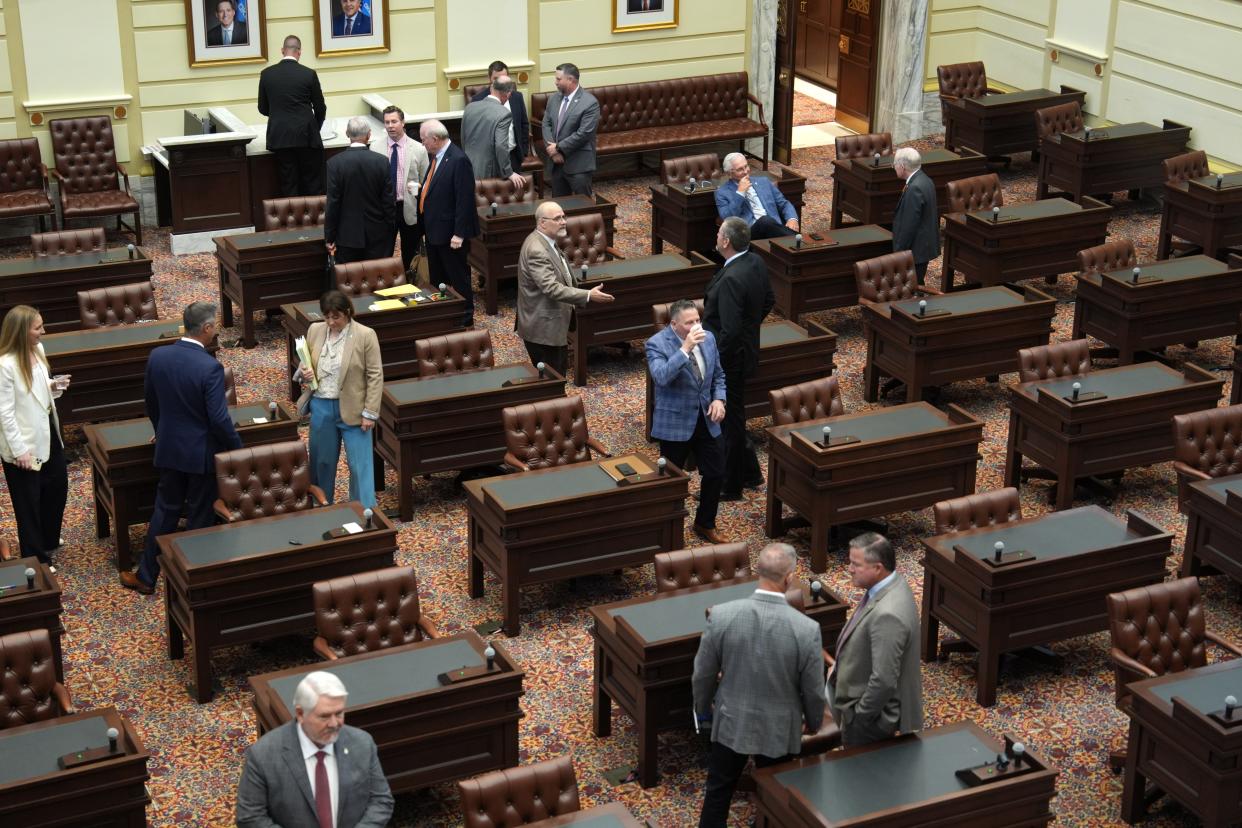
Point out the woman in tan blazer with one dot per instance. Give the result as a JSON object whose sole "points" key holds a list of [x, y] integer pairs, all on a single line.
{"points": [[345, 361]]}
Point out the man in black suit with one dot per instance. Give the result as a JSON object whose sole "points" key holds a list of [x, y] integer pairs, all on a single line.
{"points": [[360, 210], [916, 224], [519, 132], [447, 213], [290, 97], [185, 401], [230, 31], [737, 299]]}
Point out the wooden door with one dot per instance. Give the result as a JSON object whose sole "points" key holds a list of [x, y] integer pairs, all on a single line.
{"points": [[816, 57], [856, 63], [782, 88]]}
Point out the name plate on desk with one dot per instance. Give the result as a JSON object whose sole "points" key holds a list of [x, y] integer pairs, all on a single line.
{"points": [[1006, 558], [9, 590], [465, 674], [1235, 723], [929, 313], [1085, 396], [991, 772], [84, 757], [838, 440], [628, 470], [510, 383], [344, 531]]}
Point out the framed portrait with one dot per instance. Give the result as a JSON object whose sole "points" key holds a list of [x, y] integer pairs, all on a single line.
{"points": [[642, 15], [220, 32], [350, 27]]}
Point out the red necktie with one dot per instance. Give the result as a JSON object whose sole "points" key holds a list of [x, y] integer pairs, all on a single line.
{"points": [[323, 793]]}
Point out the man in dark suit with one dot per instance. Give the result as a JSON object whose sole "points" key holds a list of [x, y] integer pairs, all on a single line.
{"points": [[759, 675], [290, 97], [360, 210], [446, 211], [916, 223], [737, 299], [520, 128], [230, 31], [351, 21], [569, 125], [185, 401], [315, 770]]}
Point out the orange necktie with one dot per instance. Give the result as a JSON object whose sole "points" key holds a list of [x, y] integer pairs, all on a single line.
{"points": [[422, 197]]}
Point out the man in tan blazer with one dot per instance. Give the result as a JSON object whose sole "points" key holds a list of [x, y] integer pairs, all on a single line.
{"points": [[546, 291], [876, 687], [407, 166]]}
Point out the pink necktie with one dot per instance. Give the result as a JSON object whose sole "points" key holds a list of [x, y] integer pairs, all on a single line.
{"points": [[323, 793]]}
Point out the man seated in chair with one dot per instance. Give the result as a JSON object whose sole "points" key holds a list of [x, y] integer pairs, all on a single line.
{"points": [[758, 203]]}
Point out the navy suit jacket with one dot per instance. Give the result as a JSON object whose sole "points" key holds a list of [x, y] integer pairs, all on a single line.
{"points": [[730, 203], [449, 207], [185, 401], [916, 223], [679, 398], [521, 121], [362, 25]]}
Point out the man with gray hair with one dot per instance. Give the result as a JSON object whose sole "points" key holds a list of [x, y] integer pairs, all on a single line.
{"points": [[486, 130], [447, 212], [361, 205], [759, 675], [916, 223], [342, 776], [756, 201]]}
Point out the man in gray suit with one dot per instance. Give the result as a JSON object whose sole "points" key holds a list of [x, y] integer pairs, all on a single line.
{"points": [[569, 124], [875, 688], [314, 771], [485, 129], [547, 292], [760, 662], [916, 222]]}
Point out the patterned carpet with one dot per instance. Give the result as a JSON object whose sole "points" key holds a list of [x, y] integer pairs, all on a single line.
{"points": [[115, 647], [808, 111]]}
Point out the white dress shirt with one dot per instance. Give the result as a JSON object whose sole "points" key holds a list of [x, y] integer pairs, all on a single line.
{"points": [[402, 159], [328, 369], [309, 749], [756, 206]]}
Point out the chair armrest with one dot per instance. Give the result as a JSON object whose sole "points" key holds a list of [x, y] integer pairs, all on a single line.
{"points": [[612, 253], [318, 496], [944, 96], [511, 460], [1222, 643], [123, 177], [992, 90], [62, 699], [428, 627], [223, 512], [323, 650], [55, 173], [928, 290], [1191, 472], [862, 300], [46, 174], [1122, 660], [759, 104], [597, 446]]}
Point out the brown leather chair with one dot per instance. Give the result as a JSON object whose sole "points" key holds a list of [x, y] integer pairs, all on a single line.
{"points": [[701, 167], [683, 568], [1117, 254], [548, 433], [29, 691], [489, 191], [358, 278], [230, 386], [92, 183], [889, 278], [586, 241], [659, 313], [806, 401], [864, 146], [67, 242], [294, 211], [1054, 120], [6, 551], [1061, 359], [1188, 165], [116, 305], [455, 352], [979, 192], [367, 612], [23, 182], [1206, 444], [518, 796], [962, 80], [958, 514], [261, 481]]}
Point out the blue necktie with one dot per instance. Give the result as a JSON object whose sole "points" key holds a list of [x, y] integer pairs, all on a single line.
{"points": [[392, 172], [349, 26]]}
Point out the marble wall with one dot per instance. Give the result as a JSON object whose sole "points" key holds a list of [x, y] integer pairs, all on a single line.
{"points": [[762, 63], [899, 77]]}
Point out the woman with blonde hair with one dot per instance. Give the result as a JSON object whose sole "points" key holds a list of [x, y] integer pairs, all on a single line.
{"points": [[31, 445]]}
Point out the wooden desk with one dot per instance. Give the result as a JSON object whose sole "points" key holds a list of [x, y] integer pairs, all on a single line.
{"points": [[494, 252], [612, 815], [1199, 212], [869, 190], [22, 609], [452, 421], [819, 275], [1191, 299], [635, 285], [123, 469], [906, 457], [1129, 428], [425, 732], [251, 581], [1001, 124], [1076, 558], [109, 367], [262, 271], [544, 525], [35, 792], [51, 283], [1176, 745], [1108, 159], [978, 337], [396, 329], [1214, 527], [844, 787], [644, 657], [1037, 238], [788, 354]]}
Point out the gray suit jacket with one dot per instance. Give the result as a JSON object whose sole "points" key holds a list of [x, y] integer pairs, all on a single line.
{"points": [[576, 137], [415, 171], [772, 666], [546, 293], [485, 138], [878, 684], [916, 223], [275, 791]]}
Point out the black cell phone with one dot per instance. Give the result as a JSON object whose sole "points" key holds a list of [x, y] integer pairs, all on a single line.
{"points": [[626, 469], [817, 237]]}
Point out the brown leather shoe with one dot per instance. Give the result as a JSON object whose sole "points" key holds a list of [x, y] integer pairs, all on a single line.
{"points": [[709, 535], [131, 581]]}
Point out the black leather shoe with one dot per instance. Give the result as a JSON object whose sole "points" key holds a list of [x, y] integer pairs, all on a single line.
{"points": [[731, 497], [753, 483]]}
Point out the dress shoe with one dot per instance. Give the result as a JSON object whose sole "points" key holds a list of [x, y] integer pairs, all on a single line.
{"points": [[709, 535], [731, 497], [753, 483], [131, 581]]}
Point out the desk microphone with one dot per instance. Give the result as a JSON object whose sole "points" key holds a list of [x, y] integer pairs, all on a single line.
{"points": [[368, 514], [662, 466], [493, 208], [112, 737], [798, 241], [1019, 753], [1135, 274], [1086, 134], [827, 434], [875, 160], [443, 290], [1002, 762], [1230, 703], [582, 273], [999, 546], [1220, 179], [995, 214], [30, 573], [817, 591], [490, 655], [271, 410], [1076, 388], [922, 307], [133, 249], [541, 367], [691, 185]]}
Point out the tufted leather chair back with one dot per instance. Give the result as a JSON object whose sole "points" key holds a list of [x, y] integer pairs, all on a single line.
{"points": [[514, 797], [230, 386], [1160, 626], [659, 313], [85, 154], [1053, 120], [468, 92], [979, 192], [1117, 254], [21, 166], [116, 305], [864, 146], [683, 568], [1210, 441], [680, 170], [963, 80], [806, 401], [1061, 359], [28, 687], [368, 611], [501, 191], [264, 480], [295, 211], [633, 106], [67, 242], [358, 278], [585, 240], [975, 510], [887, 278], [548, 432], [451, 353], [1187, 165]]}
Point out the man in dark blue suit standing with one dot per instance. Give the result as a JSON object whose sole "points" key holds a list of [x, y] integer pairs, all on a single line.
{"points": [[519, 130], [351, 21], [185, 401], [447, 213]]}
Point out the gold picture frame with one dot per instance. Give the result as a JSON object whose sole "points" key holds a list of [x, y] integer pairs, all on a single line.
{"points": [[204, 23], [367, 34], [630, 16]]}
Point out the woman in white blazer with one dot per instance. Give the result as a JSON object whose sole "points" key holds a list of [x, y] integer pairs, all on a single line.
{"points": [[31, 446]]}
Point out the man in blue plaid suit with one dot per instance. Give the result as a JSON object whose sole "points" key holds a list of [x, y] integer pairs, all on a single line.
{"points": [[689, 405]]}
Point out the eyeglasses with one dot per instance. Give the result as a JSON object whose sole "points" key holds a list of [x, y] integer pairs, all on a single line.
{"points": [[555, 218]]}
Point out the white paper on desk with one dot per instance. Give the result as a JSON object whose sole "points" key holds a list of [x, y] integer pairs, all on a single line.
{"points": [[352, 528], [303, 353], [258, 420]]}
